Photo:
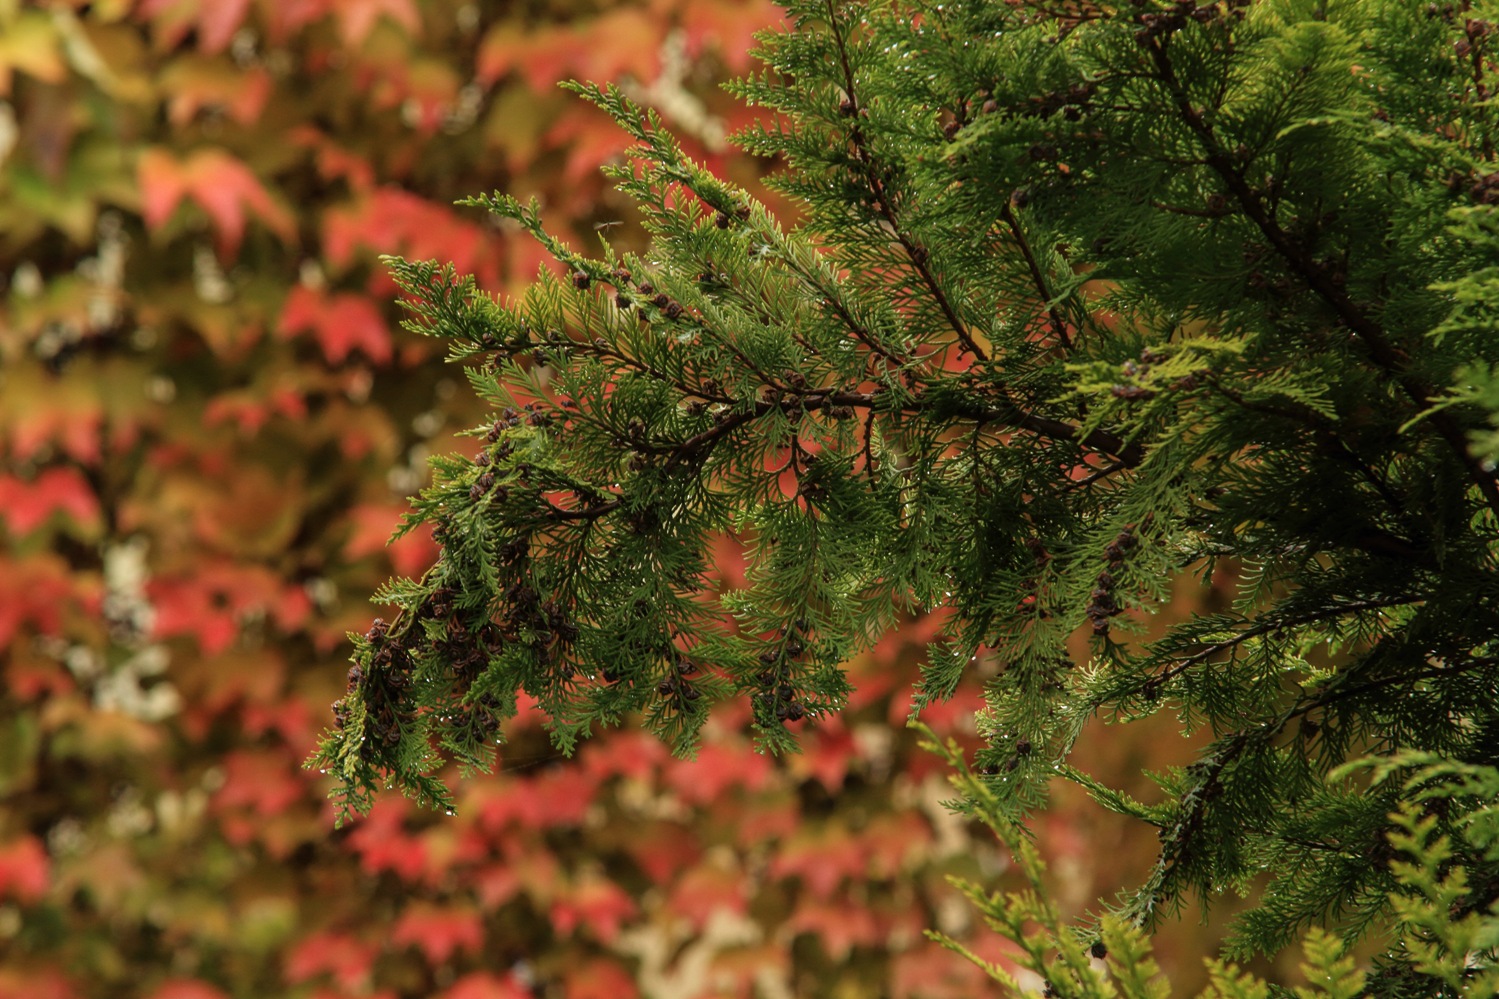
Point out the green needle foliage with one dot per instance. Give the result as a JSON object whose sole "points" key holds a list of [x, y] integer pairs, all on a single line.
{"points": [[1442, 945], [1084, 297]]}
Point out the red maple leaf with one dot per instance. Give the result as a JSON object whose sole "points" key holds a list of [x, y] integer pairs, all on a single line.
{"points": [[383, 844], [373, 524], [223, 187], [208, 604], [25, 869], [439, 932], [628, 753], [485, 985], [261, 782], [730, 26], [717, 768], [927, 971], [838, 926], [828, 755], [27, 505], [188, 988], [893, 839], [623, 41], [704, 890], [356, 18], [341, 323], [596, 903], [663, 849], [346, 959], [215, 22], [822, 856], [390, 220], [562, 796]]}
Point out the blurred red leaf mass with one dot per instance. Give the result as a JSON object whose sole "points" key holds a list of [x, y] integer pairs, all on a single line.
{"points": [[25, 870], [223, 186], [438, 932], [339, 956], [188, 989], [340, 324], [27, 505], [483, 985]]}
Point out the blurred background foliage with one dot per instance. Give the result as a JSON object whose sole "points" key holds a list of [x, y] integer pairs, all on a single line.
{"points": [[209, 420]]}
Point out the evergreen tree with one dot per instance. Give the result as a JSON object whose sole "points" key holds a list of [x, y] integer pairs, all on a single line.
{"points": [[1084, 297]]}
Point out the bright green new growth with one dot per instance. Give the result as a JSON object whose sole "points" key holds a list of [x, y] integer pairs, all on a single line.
{"points": [[1086, 297], [1442, 943]]}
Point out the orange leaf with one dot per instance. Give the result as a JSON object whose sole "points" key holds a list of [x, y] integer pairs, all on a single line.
{"points": [[34, 590], [356, 18], [704, 890], [44, 983], [162, 185], [211, 84], [31, 44], [600, 979], [624, 41], [215, 22]]}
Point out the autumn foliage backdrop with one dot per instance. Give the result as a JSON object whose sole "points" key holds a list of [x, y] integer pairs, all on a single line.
{"points": [[209, 419]]}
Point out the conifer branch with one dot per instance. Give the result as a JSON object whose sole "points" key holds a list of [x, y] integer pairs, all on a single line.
{"points": [[1334, 442], [884, 203], [1324, 280], [1058, 326], [1271, 623], [1335, 692], [859, 331], [578, 535]]}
